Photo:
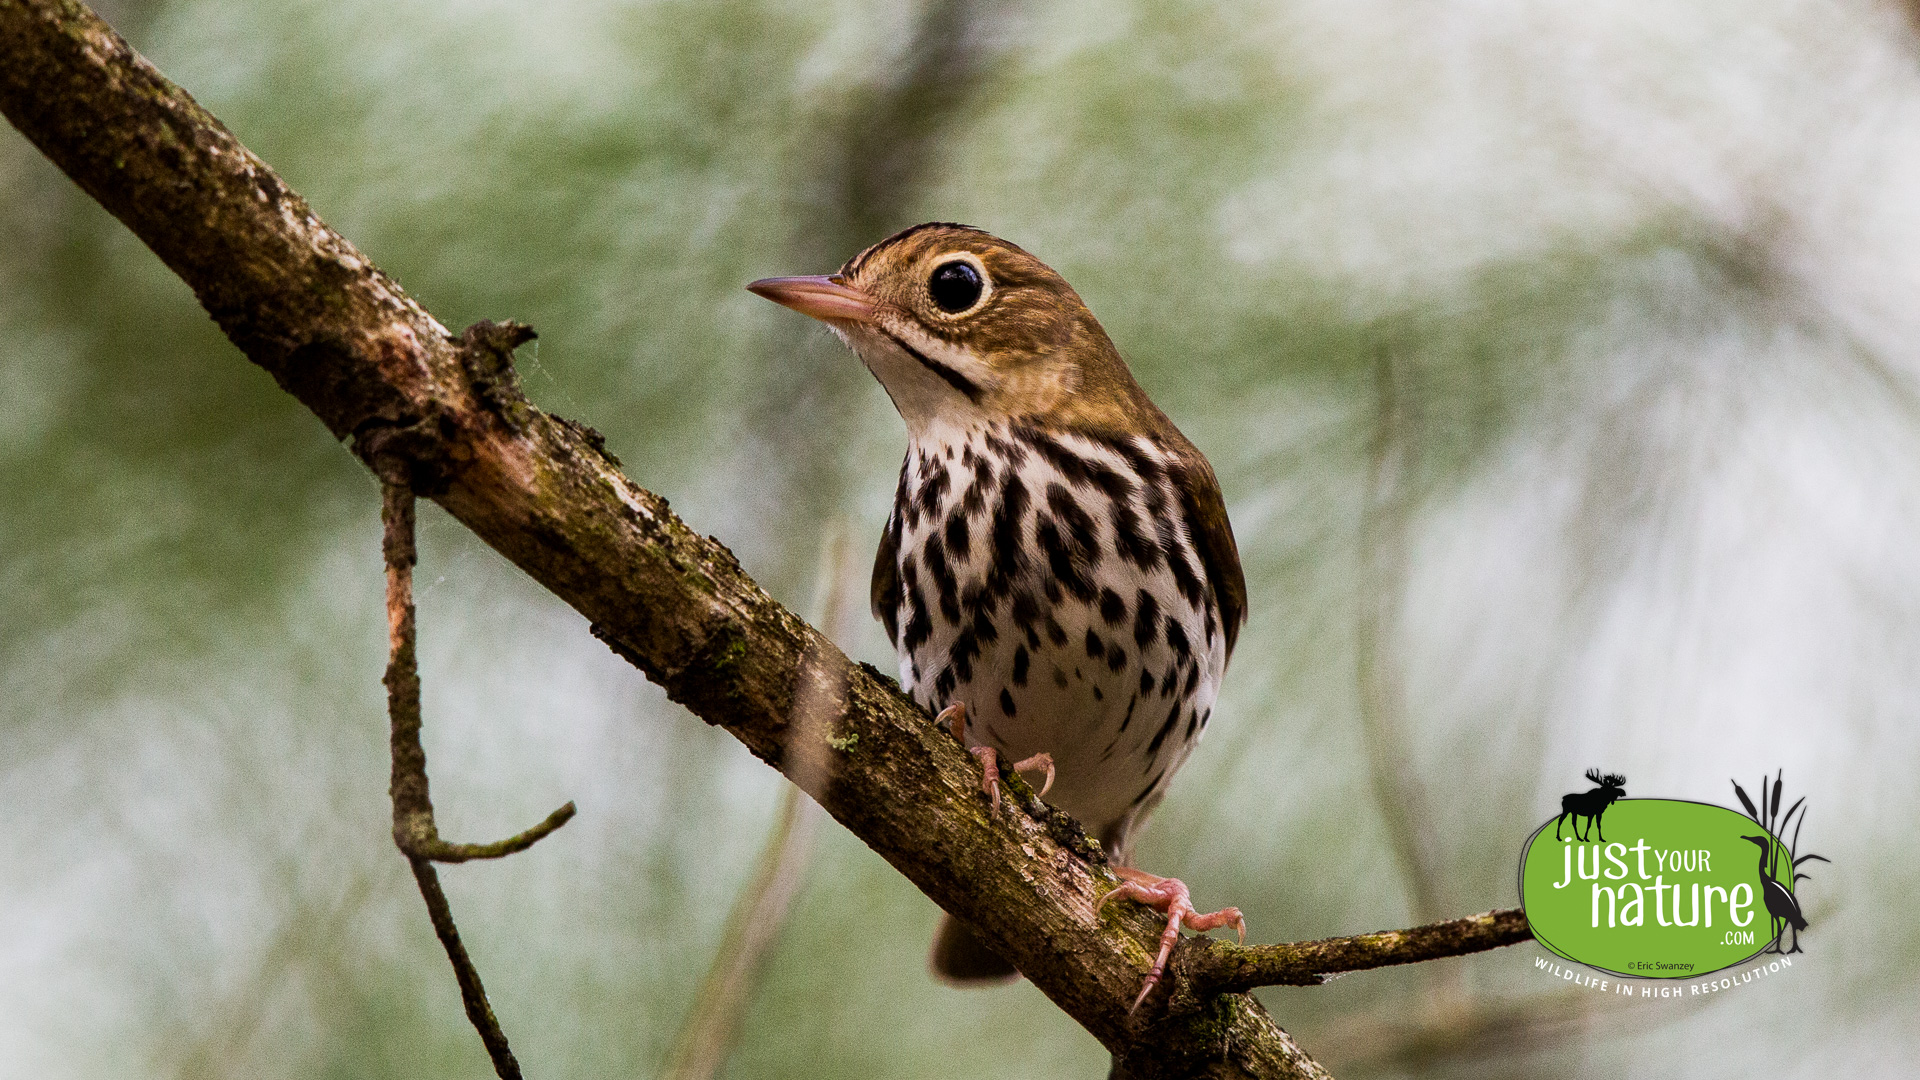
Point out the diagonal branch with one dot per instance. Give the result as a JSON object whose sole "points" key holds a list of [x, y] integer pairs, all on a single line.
{"points": [[444, 416]]}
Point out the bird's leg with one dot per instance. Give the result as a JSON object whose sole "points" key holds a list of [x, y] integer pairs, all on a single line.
{"points": [[1169, 895], [954, 717]]}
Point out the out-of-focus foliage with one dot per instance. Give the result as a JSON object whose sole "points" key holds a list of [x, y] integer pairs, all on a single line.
{"points": [[1582, 341]]}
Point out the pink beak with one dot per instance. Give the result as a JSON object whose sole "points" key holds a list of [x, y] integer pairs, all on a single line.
{"points": [[822, 297]]}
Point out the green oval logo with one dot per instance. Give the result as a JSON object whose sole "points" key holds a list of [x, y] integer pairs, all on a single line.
{"points": [[1655, 888]]}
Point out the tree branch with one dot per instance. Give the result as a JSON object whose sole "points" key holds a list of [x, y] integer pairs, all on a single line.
{"points": [[444, 416], [1227, 968]]}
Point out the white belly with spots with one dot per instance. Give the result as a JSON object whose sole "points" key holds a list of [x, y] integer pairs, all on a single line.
{"points": [[1048, 581]]}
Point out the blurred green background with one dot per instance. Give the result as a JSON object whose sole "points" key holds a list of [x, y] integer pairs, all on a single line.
{"points": [[1559, 364]]}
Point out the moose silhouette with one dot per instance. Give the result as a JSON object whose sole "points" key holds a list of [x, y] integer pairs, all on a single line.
{"points": [[1590, 804]]}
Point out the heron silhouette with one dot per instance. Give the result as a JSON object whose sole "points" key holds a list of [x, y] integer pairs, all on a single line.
{"points": [[1780, 903]]}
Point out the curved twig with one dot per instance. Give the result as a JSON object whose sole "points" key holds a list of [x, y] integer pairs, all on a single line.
{"points": [[413, 828]]}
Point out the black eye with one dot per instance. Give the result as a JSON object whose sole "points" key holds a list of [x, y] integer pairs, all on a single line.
{"points": [[955, 286]]}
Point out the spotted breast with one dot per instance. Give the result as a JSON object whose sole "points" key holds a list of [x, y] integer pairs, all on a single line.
{"points": [[1050, 581]]}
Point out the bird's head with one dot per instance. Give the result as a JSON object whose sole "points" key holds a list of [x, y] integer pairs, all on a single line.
{"points": [[961, 326]]}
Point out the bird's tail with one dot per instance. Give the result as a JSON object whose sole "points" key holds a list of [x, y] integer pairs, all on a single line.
{"points": [[961, 960]]}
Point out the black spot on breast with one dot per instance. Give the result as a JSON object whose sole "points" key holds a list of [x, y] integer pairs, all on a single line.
{"points": [[1204, 717], [1130, 538], [1020, 662], [1178, 562], [1177, 638], [919, 625], [1160, 736], [1076, 469], [1006, 702], [961, 655], [1157, 508], [1143, 465], [1079, 523], [1051, 589], [1146, 619], [1170, 680], [1146, 680], [1112, 608], [1009, 556], [1095, 647], [1151, 784], [1193, 680], [935, 556], [977, 600], [932, 490], [1012, 453], [975, 500], [958, 539], [1069, 569], [1193, 721], [902, 503], [1098, 694], [1128, 719], [1055, 632], [1059, 677], [943, 685], [1026, 611], [1116, 657]]}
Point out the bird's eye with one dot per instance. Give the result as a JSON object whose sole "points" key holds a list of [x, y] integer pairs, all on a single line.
{"points": [[955, 286]]}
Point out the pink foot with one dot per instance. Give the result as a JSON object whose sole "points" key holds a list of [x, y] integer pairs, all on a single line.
{"points": [[954, 717], [1169, 895]]}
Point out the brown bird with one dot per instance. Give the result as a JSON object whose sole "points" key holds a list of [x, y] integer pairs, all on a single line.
{"points": [[1058, 573]]}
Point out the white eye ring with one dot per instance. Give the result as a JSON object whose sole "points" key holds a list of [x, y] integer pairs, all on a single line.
{"points": [[979, 268]]}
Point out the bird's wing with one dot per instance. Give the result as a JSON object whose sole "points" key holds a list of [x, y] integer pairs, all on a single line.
{"points": [[885, 592], [1213, 535]]}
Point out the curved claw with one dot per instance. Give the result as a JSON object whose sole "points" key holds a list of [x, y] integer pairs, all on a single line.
{"points": [[1169, 895], [1042, 760], [954, 719], [989, 771]]}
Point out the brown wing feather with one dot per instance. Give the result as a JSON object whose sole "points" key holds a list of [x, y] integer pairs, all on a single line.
{"points": [[885, 591], [1213, 535]]}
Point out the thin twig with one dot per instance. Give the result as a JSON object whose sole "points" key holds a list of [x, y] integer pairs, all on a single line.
{"points": [[413, 828], [472, 994], [1218, 967]]}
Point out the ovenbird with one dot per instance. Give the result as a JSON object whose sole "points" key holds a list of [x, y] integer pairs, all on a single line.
{"points": [[1058, 573]]}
